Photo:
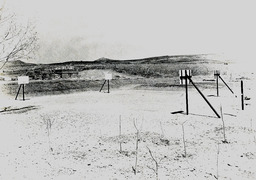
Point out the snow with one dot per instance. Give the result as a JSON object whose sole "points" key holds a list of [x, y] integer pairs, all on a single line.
{"points": [[84, 136]]}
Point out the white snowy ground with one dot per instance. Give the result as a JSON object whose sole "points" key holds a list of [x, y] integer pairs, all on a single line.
{"points": [[84, 136]]}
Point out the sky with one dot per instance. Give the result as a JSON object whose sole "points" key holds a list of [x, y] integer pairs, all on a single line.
{"points": [[128, 29]]}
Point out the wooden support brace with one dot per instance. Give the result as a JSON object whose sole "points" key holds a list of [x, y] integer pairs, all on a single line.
{"points": [[103, 85], [18, 92], [226, 84], [204, 98]]}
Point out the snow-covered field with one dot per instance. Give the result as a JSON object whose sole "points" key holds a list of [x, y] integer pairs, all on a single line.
{"points": [[83, 141]]}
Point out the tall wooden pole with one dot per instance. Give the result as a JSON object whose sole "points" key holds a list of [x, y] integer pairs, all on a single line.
{"points": [[242, 95], [217, 81], [108, 86], [186, 86], [23, 85]]}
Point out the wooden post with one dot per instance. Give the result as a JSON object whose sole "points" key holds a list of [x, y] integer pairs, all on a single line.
{"points": [[217, 79], [23, 85], [216, 75], [184, 76], [242, 95], [108, 86], [186, 86]]}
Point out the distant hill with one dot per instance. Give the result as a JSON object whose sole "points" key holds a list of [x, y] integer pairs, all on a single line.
{"points": [[150, 60], [159, 71], [18, 63], [158, 66]]}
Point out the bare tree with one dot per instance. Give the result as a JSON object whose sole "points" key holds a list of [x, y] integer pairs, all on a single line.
{"points": [[49, 122], [217, 162], [156, 163], [17, 41], [223, 126], [136, 148], [184, 141], [120, 133], [138, 130]]}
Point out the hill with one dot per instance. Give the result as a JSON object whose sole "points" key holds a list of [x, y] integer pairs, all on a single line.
{"points": [[150, 60], [159, 66], [159, 72], [18, 63]]}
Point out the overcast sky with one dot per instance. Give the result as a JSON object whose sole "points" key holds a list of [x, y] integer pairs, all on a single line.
{"points": [[125, 29]]}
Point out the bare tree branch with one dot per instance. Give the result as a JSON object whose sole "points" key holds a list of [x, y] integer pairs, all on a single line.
{"points": [[156, 163], [17, 41], [137, 146]]}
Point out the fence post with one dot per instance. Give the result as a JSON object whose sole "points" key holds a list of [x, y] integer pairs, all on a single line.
{"points": [[186, 84], [242, 94], [217, 78], [23, 92]]}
